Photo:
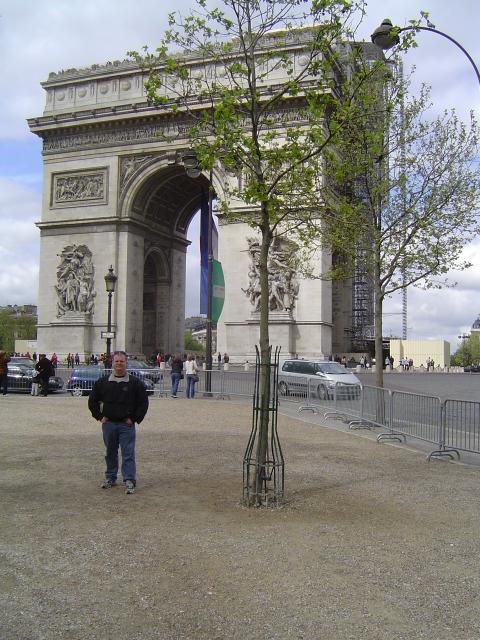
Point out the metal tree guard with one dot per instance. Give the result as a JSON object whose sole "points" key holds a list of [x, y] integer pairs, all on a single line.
{"points": [[263, 481]]}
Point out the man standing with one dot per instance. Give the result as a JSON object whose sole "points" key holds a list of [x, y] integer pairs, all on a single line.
{"points": [[45, 370], [119, 400]]}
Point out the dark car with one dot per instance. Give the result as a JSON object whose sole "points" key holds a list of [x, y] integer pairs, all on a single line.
{"points": [[143, 370], [27, 362], [20, 379], [472, 368], [81, 379]]}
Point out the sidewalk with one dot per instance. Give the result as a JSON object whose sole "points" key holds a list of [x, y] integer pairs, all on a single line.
{"points": [[372, 542]]}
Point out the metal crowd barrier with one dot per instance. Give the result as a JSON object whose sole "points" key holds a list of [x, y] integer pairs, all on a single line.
{"points": [[415, 415], [225, 384], [452, 426], [461, 426]]}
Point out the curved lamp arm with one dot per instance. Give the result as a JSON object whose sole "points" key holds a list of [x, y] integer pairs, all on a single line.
{"points": [[386, 36]]}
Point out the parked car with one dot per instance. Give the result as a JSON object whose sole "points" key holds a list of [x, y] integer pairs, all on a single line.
{"points": [[20, 379], [81, 379], [472, 368], [144, 370], [324, 377], [28, 362]]}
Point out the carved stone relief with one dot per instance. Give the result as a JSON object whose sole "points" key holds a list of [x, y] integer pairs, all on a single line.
{"points": [[129, 165], [75, 281], [283, 285], [148, 132], [81, 188]]}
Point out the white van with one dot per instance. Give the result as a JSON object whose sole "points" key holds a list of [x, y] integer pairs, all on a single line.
{"points": [[326, 379]]}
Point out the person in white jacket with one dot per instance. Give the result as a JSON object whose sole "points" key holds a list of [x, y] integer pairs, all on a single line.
{"points": [[191, 375]]}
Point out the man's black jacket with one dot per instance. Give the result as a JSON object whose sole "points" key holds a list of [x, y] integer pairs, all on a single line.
{"points": [[118, 400]]}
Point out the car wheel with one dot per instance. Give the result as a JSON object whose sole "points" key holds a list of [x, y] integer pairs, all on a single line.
{"points": [[322, 392], [77, 392], [283, 389]]}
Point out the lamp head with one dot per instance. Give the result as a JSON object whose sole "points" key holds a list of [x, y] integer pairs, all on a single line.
{"points": [[383, 37], [110, 280], [190, 162]]}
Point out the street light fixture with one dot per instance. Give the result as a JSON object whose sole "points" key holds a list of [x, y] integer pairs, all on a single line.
{"points": [[192, 169], [386, 36], [463, 337], [110, 282]]}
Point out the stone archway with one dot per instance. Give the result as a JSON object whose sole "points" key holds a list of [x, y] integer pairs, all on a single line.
{"points": [[161, 201], [115, 186]]}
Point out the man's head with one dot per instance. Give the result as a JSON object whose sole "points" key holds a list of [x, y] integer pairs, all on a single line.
{"points": [[119, 363]]}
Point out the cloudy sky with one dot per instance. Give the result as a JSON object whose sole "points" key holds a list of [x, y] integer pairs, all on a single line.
{"points": [[39, 36]]}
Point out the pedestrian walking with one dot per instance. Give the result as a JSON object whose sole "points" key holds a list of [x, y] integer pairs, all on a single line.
{"points": [[192, 376], [4, 360], [177, 373], [119, 401]]}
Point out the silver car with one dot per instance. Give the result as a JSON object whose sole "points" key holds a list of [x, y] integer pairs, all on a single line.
{"points": [[326, 379]]}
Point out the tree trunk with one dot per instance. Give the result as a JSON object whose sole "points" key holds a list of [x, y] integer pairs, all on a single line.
{"points": [[378, 325], [262, 446]]}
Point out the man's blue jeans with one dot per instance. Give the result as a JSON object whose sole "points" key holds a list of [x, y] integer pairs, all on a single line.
{"points": [[175, 383], [119, 434]]}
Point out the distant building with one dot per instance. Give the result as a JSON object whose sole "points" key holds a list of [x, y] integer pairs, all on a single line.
{"points": [[476, 326], [21, 310], [420, 350], [201, 336]]}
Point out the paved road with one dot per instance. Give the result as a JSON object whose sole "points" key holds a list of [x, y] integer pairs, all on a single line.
{"points": [[457, 386]]}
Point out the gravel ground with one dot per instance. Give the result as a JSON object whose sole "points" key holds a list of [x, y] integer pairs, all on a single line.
{"points": [[372, 542]]}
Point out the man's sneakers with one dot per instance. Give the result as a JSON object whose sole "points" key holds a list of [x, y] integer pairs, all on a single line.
{"points": [[129, 486], [108, 484]]}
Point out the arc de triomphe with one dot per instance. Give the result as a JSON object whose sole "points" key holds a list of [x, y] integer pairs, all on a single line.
{"points": [[116, 193]]}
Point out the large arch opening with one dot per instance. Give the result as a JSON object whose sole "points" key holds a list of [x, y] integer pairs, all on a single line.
{"points": [[164, 204]]}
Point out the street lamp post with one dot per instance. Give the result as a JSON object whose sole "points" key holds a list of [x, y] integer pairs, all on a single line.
{"points": [[463, 338], [386, 36], [192, 169], [110, 282]]}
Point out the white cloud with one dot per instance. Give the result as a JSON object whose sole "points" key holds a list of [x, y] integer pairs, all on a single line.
{"points": [[19, 242]]}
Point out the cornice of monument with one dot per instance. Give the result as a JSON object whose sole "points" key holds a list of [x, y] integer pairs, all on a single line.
{"points": [[127, 126], [110, 224], [280, 39], [116, 89]]}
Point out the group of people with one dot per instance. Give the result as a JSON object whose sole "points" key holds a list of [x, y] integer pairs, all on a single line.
{"points": [[73, 360], [389, 360], [406, 363], [226, 359], [365, 362], [190, 367]]}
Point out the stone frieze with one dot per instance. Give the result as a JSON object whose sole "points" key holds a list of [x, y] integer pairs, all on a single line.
{"points": [[79, 188]]}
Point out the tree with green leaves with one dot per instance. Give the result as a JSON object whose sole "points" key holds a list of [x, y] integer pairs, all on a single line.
{"points": [[192, 344], [404, 218], [468, 351], [229, 57], [14, 327], [266, 87]]}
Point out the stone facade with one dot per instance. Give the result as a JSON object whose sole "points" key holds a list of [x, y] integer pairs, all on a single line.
{"points": [[114, 183]]}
